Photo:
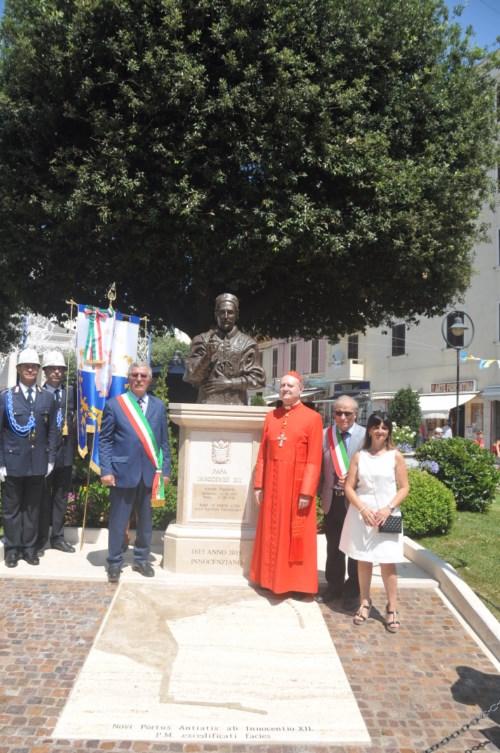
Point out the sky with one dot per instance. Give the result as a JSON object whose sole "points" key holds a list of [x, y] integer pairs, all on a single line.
{"points": [[482, 15]]}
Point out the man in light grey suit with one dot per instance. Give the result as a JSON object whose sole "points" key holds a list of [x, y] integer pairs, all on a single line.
{"points": [[345, 431]]}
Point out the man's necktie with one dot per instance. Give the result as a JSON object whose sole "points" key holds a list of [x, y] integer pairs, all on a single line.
{"points": [[57, 393], [141, 404], [30, 395]]}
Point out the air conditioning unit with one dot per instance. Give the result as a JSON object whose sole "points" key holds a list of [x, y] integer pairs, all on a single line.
{"points": [[338, 358]]}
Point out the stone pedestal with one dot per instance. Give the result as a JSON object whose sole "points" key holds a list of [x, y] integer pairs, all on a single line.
{"points": [[216, 512]]}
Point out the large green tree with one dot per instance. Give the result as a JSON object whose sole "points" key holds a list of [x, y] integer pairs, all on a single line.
{"points": [[322, 159]]}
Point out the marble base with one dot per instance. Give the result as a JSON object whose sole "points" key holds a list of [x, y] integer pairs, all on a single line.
{"points": [[216, 512], [189, 549], [212, 665]]}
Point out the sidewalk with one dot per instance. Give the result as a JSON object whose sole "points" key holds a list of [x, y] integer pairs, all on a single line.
{"points": [[64, 627], [89, 562]]}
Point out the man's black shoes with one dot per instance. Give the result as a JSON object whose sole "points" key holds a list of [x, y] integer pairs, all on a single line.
{"points": [[31, 559], [328, 595], [114, 573], [63, 546], [144, 568], [11, 558]]}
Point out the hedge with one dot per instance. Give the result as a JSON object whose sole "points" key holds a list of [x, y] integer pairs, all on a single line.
{"points": [[430, 506], [468, 470]]}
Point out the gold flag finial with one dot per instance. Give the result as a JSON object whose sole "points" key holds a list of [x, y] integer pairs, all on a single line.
{"points": [[111, 294]]}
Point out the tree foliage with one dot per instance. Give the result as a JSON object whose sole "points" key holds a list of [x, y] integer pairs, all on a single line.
{"points": [[164, 347], [405, 409], [322, 159]]}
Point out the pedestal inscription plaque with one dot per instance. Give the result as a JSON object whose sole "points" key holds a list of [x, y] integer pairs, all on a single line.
{"points": [[219, 501], [221, 463]]}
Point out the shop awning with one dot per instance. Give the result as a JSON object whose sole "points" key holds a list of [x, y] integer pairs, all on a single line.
{"points": [[304, 395], [492, 392], [439, 406]]}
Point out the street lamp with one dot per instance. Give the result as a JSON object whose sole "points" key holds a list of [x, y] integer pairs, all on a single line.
{"points": [[461, 328]]}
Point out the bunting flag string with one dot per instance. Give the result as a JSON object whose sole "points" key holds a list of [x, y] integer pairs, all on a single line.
{"points": [[483, 363]]}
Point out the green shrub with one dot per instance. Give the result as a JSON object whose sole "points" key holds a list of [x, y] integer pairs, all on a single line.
{"points": [[467, 470], [98, 507], [405, 409], [403, 437], [162, 516], [257, 399], [429, 507]]}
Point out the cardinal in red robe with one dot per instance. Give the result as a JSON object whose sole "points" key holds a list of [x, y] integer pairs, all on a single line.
{"points": [[286, 478]]}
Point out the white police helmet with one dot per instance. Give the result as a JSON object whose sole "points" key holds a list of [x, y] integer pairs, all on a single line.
{"points": [[28, 355], [53, 358]]}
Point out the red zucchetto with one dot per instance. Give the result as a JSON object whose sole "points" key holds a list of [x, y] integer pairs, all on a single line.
{"points": [[295, 375]]}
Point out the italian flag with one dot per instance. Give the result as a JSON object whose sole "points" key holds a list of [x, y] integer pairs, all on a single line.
{"points": [[142, 428]]}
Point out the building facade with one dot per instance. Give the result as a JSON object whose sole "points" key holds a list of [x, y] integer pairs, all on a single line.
{"points": [[373, 366]]}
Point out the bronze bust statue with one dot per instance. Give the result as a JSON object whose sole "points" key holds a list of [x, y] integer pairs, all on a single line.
{"points": [[222, 362]]}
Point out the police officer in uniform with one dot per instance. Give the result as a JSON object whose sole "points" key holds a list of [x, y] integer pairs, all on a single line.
{"points": [[58, 483], [28, 443]]}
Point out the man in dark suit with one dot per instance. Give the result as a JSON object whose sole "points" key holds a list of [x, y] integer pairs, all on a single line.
{"points": [[134, 455], [28, 443], [340, 442], [58, 483]]}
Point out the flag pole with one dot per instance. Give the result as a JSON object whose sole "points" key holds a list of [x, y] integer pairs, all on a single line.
{"points": [[65, 431], [86, 500], [111, 296]]}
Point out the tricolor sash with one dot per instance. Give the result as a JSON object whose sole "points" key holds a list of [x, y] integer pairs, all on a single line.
{"points": [[338, 451], [142, 428]]}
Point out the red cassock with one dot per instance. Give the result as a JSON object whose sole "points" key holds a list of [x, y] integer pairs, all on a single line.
{"points": [[284, 554]]}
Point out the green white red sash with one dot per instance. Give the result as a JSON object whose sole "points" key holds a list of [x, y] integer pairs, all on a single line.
{"points": [[338, 451], [142, 428]]}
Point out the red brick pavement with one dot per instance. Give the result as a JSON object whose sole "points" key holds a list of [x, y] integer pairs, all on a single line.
{"points": [[412, 688]]}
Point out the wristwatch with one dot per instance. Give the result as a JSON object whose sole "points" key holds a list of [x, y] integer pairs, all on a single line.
{"points": [[391, 506]]}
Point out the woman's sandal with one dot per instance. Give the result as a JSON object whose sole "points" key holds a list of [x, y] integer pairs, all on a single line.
{"points": [[393, 625], [359, 618]]}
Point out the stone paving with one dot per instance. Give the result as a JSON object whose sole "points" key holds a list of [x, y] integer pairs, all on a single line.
{"points": [[412, 688]]}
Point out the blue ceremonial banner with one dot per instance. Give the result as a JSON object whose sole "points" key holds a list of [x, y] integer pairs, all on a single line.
{"points": [[106, 345]]}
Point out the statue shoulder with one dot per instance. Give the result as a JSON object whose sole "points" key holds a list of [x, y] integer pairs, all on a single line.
{"points": [[203, 337], [243, 341]]}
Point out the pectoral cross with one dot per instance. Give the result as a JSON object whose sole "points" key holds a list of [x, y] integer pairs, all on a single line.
{"points": [[281, 439]]}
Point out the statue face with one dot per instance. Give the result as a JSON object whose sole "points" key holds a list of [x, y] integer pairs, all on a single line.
{"points": [[226, 316]]}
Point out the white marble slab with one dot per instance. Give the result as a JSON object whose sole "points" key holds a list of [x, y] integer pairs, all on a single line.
{"points": [[212, 665]]}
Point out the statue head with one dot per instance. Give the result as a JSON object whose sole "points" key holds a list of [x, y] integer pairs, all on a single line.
{"points": [[227, 308]]}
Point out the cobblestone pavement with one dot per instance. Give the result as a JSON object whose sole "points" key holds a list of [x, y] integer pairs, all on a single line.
{"points": [[412, 688]]}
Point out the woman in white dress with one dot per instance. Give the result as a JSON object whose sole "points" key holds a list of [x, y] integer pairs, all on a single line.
{"points": [[376, 485]]}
